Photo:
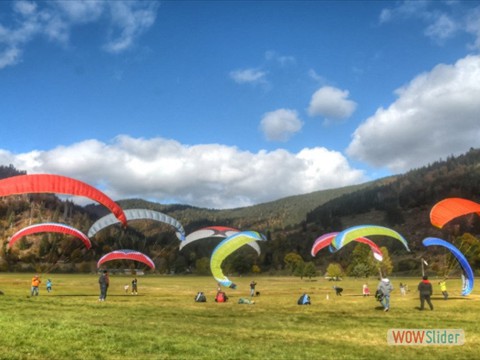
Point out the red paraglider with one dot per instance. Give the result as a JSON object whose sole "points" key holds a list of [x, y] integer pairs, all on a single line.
{"points": [[49, 183], [50, 227], [126, 254]]}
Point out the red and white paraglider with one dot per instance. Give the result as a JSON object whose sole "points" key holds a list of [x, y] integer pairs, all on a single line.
{"points": [[50, 227], [126, 254]]}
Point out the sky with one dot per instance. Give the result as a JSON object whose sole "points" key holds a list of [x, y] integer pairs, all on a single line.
{"points": [[225, 104]]}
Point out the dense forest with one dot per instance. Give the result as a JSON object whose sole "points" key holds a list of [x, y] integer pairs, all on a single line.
{"points": [[291, 225]]}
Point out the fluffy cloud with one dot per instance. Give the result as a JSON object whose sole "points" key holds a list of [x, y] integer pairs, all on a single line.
{"points": [[54, 20], [331, 103], [209, 175], [435, 116], [280, 125]]}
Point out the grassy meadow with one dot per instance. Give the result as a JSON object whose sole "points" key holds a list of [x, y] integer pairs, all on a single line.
{"points": [[163, 321]]}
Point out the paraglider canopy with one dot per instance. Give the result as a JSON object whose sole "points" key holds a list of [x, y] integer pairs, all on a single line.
{"points": [[356, 232], [448, 209], [138, 214], [462, 260], [227, 247], [49, 183], [50, 227], [126, 254], [208, 232], [215, 232], [326, 240]]}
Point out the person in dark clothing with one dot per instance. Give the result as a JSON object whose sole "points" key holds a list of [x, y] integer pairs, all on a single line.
{"points": [[134, 287], [252, 288], [425, 289], [338, 290], [104, 282]]}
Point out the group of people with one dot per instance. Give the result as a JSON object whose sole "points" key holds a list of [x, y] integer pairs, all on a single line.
{"points": [[36, 281], [384, 289], [425, 290], [134, 287], [104, 283]]}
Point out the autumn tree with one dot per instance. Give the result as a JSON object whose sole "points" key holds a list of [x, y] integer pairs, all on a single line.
{"points": [[334, 270], [292, 260]]}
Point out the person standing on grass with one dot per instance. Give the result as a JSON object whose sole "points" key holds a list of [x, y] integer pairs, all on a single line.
{"points": [[425, 290], [49, 285], [385, 287], [35, 284], [443, 289], [365, 290], [252, 287], [134, 286], [104, 282]]}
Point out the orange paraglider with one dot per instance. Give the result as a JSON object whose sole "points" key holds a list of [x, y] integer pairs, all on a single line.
{"points": [[451, 208]]}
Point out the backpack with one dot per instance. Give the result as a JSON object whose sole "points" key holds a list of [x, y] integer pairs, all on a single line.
{"points": [[304, 300], [220, 297], [200, 297], [379, 295]]}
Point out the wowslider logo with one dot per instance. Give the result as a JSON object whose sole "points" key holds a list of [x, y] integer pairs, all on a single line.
{"points": [[425, 337]]}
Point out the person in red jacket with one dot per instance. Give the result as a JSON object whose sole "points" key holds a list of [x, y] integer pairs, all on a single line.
{"points": [[425, 289]]}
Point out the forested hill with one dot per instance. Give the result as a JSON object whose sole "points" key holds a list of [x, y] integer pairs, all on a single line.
{"points": [[291, 224], [275, 215]]}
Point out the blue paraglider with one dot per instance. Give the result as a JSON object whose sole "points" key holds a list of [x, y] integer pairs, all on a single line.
{"points": [[469, 278]]}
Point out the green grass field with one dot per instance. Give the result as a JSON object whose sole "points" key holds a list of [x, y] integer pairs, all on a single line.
{"points": [[163, 321]]}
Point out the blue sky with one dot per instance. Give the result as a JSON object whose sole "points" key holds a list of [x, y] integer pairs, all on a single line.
{"points": [[228, 104]]}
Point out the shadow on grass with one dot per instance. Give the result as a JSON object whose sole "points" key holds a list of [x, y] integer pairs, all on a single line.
{"points": [[451, 298], [90, 295], [418, 308]]}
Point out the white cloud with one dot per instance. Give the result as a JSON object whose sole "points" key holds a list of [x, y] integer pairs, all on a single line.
{"points": [[314, 76], [131, 19], [442, 22], [435, 116], [210, 175], [282, 60], [248, 76], [280, 125], [79, 12], [442, 28], [407, 9], [472, 26], [25, 8], [331, 103], [9, 57], [55, 20]]}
